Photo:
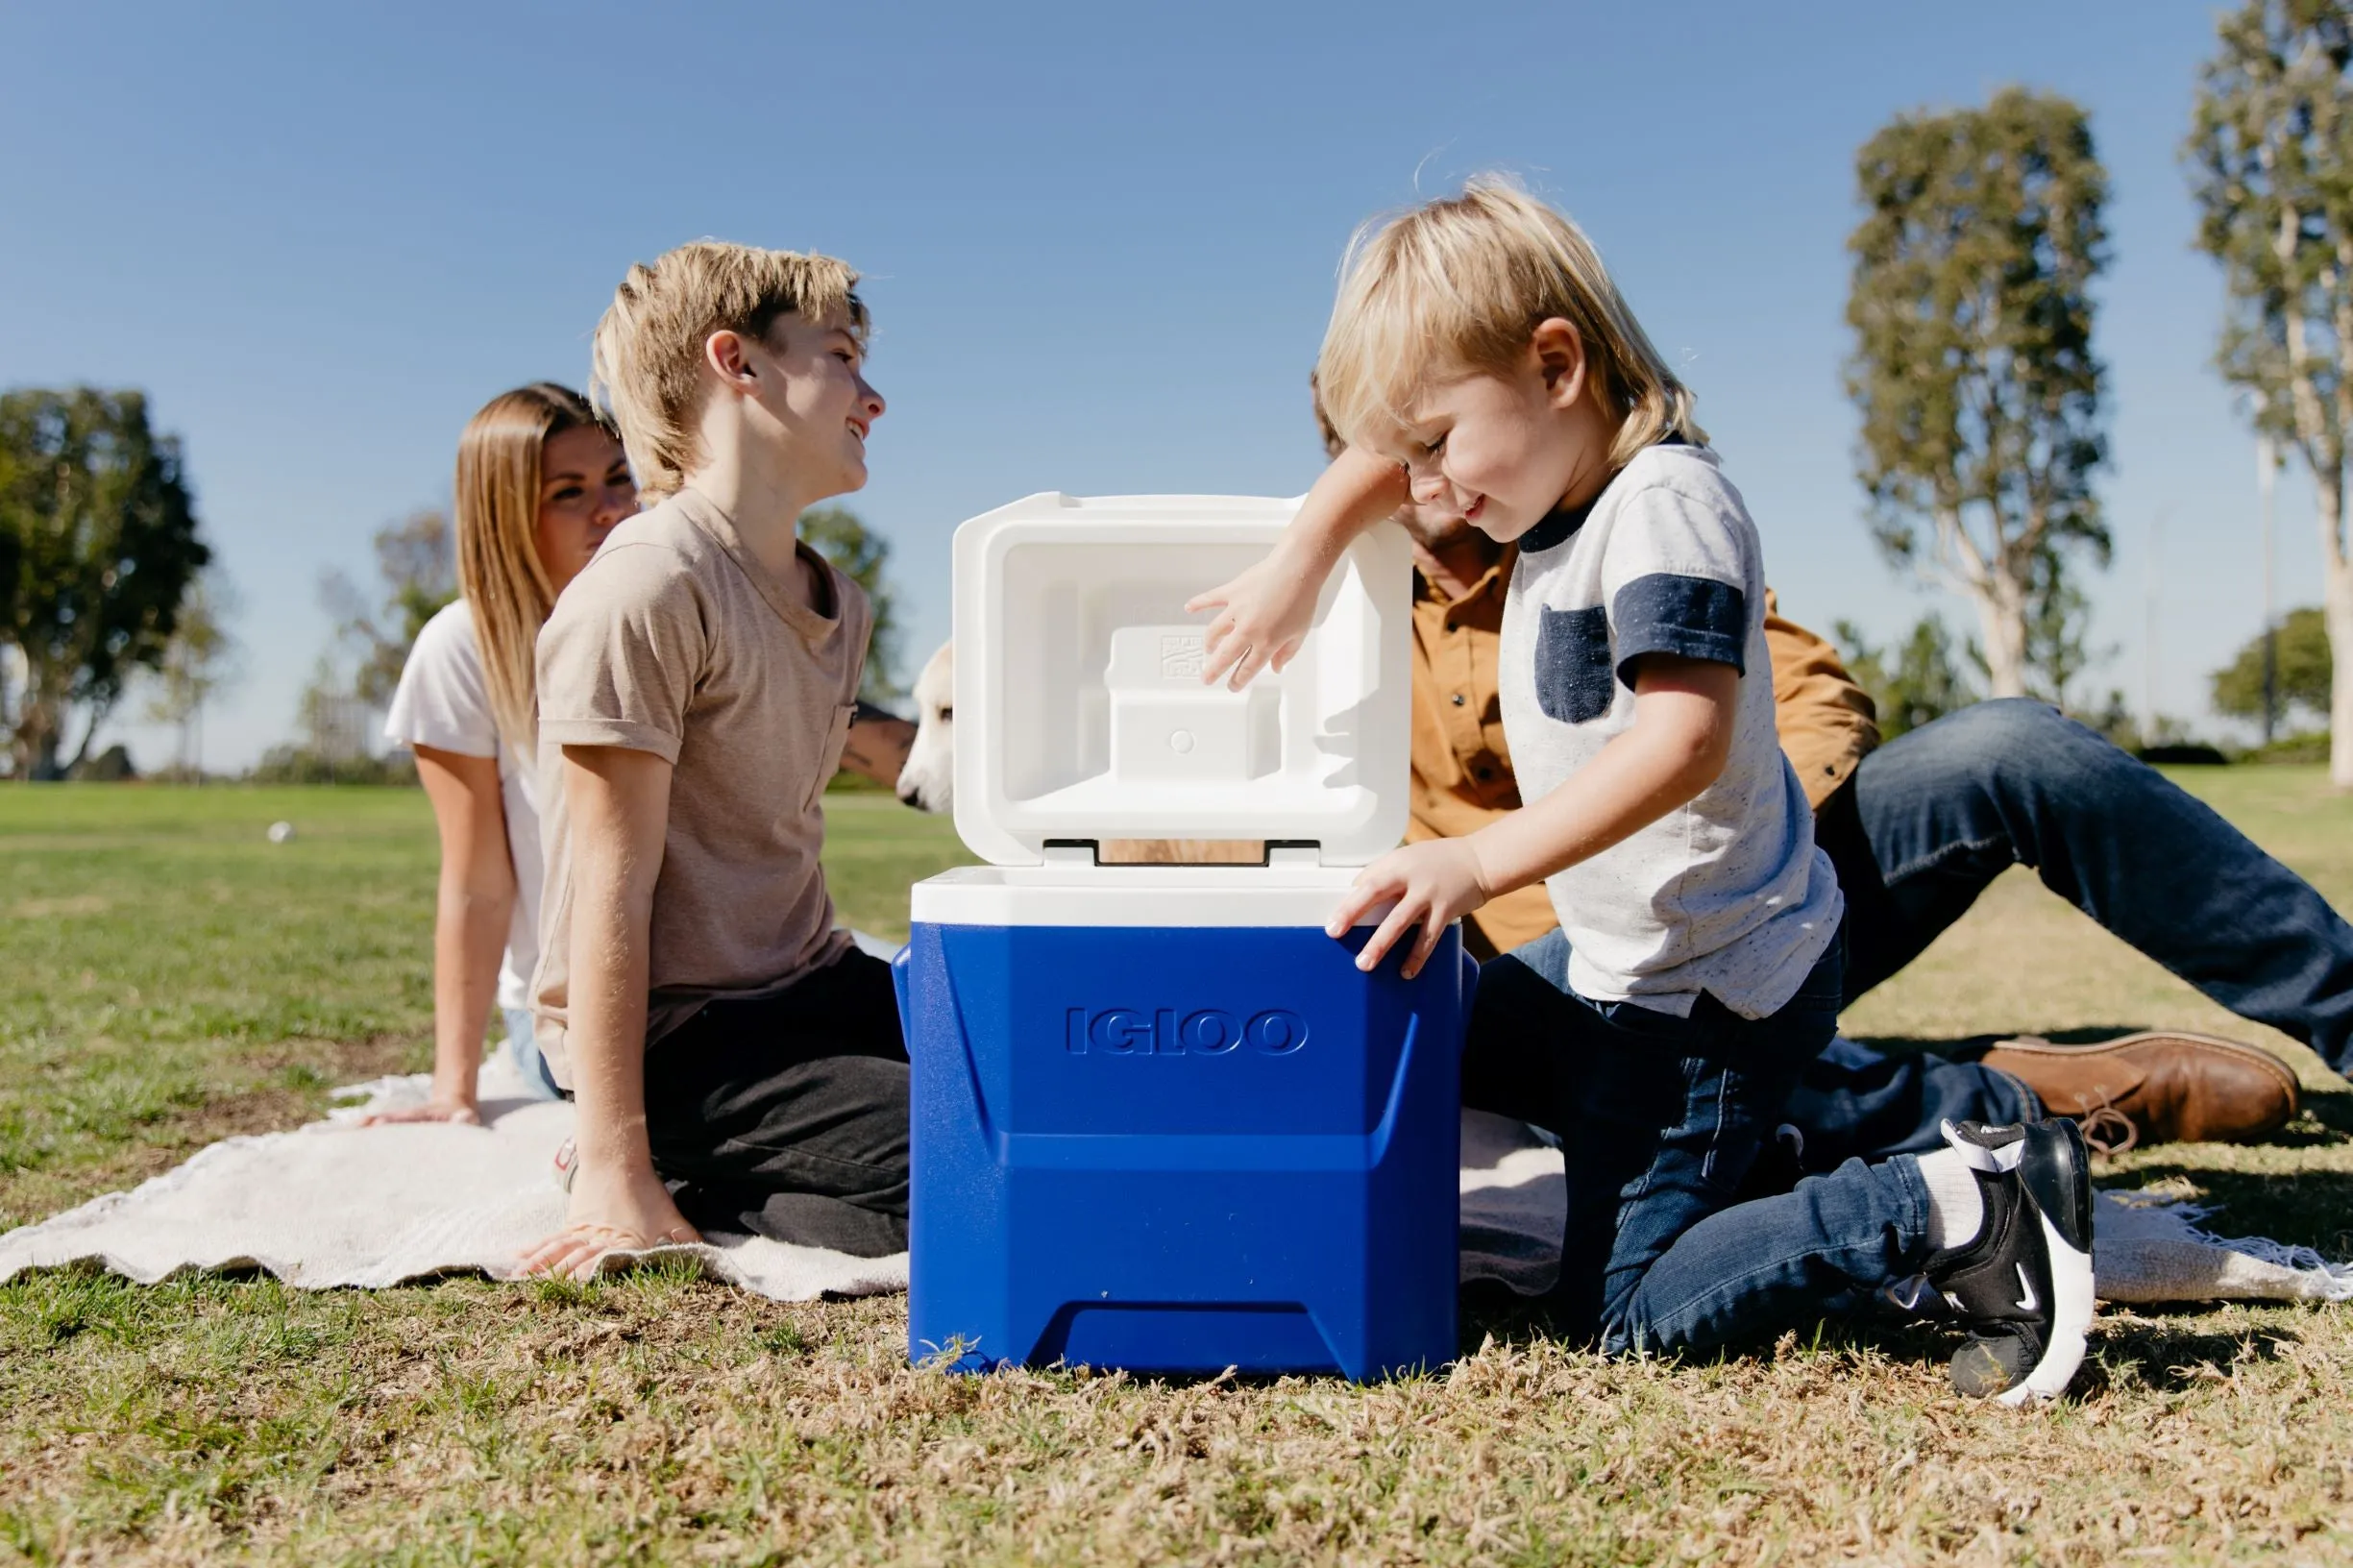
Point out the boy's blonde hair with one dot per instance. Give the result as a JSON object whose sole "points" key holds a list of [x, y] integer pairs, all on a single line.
{"points": [[646, 365], [499, 569], [1456, 286]]}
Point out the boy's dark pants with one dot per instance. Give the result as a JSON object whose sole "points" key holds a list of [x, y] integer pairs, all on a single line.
{"points": [[1659, 1120], [786, 1117]]}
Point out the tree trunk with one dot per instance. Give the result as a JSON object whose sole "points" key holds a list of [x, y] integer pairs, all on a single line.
{"points": [[2001, 617], [2337, 600]]}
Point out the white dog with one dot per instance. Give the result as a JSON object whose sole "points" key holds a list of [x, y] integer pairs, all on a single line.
{"points": [[928, 780]]}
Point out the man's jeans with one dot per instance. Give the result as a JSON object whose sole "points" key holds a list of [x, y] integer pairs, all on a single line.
{"points": [[1935, 815], [1659, 1119]]}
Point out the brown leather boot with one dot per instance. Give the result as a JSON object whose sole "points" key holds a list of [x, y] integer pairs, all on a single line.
{"points": [[2155, 1087]]}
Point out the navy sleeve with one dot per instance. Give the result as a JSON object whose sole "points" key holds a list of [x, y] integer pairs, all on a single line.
{"points": [[1693, 618]]}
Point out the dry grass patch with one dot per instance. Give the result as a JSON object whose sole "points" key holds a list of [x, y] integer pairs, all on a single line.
{"points": [[662, 1419]]}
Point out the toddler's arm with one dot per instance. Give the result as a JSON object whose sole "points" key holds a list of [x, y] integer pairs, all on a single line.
{"points": [[1677, 746], [1267, 610]]}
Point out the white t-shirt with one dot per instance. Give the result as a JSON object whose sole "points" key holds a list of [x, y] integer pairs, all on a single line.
{"points": [[1727, 894], [444, 701]]}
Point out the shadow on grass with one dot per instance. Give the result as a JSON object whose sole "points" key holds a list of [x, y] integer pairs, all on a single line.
{"points": [[1969, 1047], [2170, 1358], [2302, 1208]]}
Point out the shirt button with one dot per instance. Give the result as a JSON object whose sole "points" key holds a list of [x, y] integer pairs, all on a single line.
{"points": [[1460, 700]]}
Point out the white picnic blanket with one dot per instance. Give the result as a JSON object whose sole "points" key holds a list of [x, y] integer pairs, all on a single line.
{"points": [[331, 1205]]}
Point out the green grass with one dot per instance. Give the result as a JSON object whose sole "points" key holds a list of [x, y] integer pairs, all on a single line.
{"points": [[166, 975]]}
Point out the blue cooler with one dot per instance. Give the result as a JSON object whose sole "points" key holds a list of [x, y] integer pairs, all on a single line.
{"points": [[1161, 1121]]}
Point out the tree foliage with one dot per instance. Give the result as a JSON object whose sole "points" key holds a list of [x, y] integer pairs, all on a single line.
{"points": [[416, 561], [200, 661], [1913, 683], [2270, 156], [103, 538], [863, 555], [2305, 671], [2058, 632], [1972, 366]]}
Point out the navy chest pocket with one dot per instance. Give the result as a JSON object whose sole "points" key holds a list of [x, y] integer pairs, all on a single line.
{"points": [[1575, 678]]}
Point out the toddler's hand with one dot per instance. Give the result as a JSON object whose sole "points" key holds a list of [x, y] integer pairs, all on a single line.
{"points": [[1434, 884], [1266, 613]]}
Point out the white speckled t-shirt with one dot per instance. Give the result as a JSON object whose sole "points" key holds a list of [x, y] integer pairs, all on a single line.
{"points": [[1725, 895]]}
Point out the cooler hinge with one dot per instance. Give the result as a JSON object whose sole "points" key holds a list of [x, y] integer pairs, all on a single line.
{"points": [[1182, 852]]}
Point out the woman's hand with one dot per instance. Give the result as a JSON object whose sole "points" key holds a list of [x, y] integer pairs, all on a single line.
{"points": [[623, 1211], [465, 1112], [1434, 885], [1264, 616]]}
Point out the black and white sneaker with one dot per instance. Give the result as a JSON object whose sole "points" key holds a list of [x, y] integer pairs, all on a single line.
{"points": [[2023, 1284]]}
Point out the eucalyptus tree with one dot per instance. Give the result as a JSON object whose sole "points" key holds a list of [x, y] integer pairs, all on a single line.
{"points": [[104, 538], [2270, 156], [1972, 366]]}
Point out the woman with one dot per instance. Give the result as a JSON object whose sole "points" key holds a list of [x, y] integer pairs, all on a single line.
{"points": [[540, 483]]}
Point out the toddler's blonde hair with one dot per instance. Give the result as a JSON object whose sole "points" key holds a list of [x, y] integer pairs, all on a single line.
{"points": [[645, 367], [1456, 286], [500, 461]]}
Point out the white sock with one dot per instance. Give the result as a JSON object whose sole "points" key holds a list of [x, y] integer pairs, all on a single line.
{"points": [[1956, 1208]]}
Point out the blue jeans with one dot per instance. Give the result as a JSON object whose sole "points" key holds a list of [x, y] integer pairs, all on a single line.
{"points": [[1853, 1102], [1659, 1120], [1935, 815], [523, 1050]]}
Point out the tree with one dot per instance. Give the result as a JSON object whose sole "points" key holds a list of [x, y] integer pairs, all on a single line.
{"points": [[1911, 685], [1972, 367], [2306, 671], [104, 538], [2058, 646], [417, 560], [200, 660], [2270, 156], [837, 533]]}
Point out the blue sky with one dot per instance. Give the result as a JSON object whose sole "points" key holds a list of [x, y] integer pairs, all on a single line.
{"points": [[1100, 241]]}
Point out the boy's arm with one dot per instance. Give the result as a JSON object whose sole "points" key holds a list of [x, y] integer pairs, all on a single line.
{"points": [[1677, 746], [619, 804], [1267, 611]]}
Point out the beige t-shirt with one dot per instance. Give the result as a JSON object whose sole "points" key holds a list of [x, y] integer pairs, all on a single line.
{"points": [[676, 641]]}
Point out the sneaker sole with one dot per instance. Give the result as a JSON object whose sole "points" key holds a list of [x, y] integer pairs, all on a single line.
{"points": [[2073, 1291]]}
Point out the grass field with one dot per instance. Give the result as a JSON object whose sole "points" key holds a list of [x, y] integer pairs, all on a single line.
{"points": [[167, 978]]}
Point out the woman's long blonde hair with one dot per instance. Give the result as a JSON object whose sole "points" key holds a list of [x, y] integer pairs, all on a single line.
{"points": [[499, 569], [1458, 286], [645, 367]]}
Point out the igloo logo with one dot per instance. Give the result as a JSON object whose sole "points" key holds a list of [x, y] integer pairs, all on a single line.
{"points": [[1171, 1031]]}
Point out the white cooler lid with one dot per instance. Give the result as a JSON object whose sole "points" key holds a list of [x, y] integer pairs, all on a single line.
{"points": [[1080, 711]]}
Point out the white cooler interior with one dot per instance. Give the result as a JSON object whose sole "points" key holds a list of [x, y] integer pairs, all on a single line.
{"points": [[1080, 710]]}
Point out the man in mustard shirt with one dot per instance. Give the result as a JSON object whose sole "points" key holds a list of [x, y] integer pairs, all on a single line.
{"points": [[1917, 829]]}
